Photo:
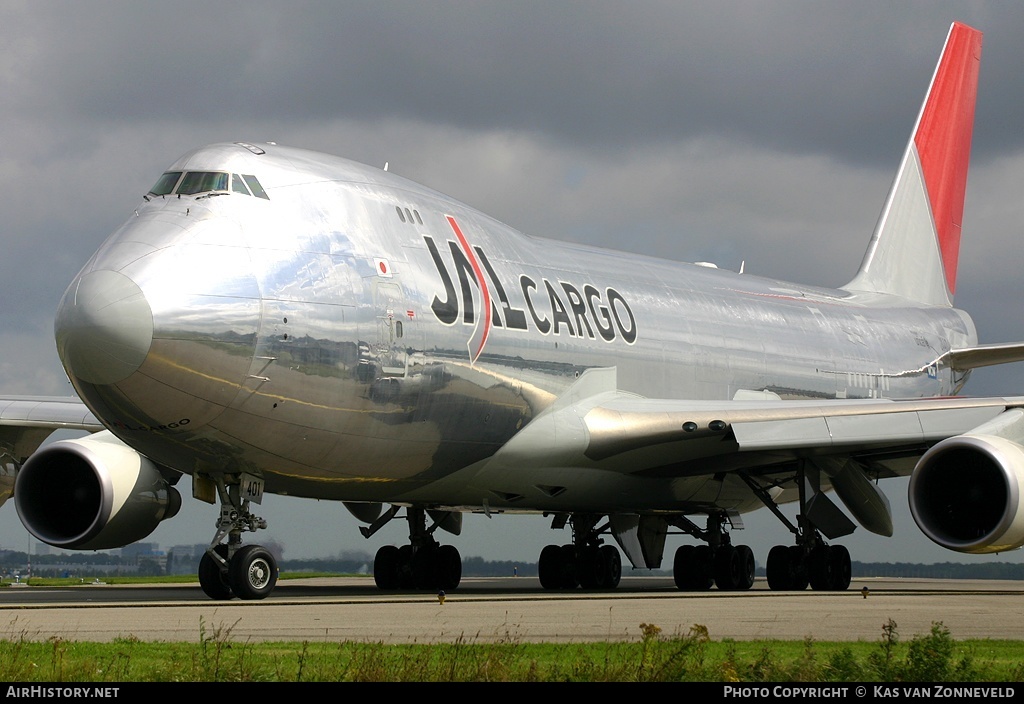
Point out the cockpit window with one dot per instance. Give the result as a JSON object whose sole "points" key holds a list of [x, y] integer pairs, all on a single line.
{"points": [[213, 182], [166, 183], [255, 187], [202, 182], [238, 185]]}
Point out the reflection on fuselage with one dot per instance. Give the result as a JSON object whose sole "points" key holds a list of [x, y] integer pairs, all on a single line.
{"points": [[318, 336]]}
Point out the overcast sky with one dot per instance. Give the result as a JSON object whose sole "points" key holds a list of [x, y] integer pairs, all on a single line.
{"points": [[764, 133]]}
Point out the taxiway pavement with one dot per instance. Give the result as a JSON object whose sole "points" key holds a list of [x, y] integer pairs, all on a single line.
{"points": [[512, 609]]}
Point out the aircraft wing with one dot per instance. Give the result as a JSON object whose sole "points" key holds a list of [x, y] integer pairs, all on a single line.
{"points": [[25, 422], [594, 425], [679, 438], [768, 444]]}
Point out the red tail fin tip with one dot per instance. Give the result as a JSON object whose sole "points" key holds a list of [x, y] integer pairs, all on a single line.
{"points": [[943, 138]]}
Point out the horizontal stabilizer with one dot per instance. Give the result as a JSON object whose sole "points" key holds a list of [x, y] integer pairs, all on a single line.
{"points": [[985, 355]]}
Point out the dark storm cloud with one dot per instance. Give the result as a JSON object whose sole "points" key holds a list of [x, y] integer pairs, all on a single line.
{"points": [[623, 124], [800, 77]]}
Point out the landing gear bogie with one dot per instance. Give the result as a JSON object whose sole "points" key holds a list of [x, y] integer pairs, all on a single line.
{"points": [[428, 567], [585, 562], [422, 563], [823, 567], [698, 567], [569, 567]]}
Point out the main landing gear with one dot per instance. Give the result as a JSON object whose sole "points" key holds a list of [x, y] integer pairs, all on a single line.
{"points": [[823, 567], [811, 562], [727, 566], [585, 563], [422, 564], [730, 568], [232, 569]]}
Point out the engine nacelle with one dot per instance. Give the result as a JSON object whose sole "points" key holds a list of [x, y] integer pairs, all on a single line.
{"points": [[965, 493], [92, 493]]}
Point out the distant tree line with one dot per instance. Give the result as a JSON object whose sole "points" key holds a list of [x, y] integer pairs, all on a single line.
{"points": [[357, 562], [940, 570]]}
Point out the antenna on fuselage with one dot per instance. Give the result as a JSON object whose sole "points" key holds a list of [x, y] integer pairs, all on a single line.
{"points": [[385, 166]]}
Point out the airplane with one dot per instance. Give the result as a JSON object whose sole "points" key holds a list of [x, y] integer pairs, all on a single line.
{"points": [[271, 320]]}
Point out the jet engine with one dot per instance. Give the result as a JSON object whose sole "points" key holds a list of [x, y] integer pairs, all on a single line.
{"points": [[92, 493], [965, 492]]}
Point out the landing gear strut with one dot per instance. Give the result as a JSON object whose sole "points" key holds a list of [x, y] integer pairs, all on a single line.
{"points": [[233, 569], [585, 563], [422, 564], [811, 561]]}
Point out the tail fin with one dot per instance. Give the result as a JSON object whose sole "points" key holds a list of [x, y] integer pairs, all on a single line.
{"points": [[916, 243]]}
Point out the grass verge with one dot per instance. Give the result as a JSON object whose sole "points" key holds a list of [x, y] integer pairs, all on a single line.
{"points": [[655, 657]]}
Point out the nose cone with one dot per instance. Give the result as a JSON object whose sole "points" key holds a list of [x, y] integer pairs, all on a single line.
{"points": [[104, 327]]}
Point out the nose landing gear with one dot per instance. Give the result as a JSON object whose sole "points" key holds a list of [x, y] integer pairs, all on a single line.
{"points": [[232, 569]]}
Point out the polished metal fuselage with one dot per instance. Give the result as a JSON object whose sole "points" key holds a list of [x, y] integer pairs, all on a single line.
{"points": [[357, 336]]}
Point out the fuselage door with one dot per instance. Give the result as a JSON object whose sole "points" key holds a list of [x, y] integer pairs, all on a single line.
{"points": [[392, 324]]}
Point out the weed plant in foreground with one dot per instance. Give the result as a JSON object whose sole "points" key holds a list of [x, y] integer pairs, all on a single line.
{"points": [[656, 657]]}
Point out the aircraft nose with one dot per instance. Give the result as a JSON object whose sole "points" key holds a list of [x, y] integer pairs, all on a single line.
{"points": [[104, 327]]}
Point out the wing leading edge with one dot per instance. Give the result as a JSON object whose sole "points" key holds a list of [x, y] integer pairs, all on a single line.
{"points": [[613, 430], [25, 422]]}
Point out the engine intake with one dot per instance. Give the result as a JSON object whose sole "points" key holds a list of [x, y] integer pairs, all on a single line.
{"points": [[92, 493], [965, 494]]}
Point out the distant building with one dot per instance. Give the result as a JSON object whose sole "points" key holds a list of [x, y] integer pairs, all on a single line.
{"points": [[184, 559], [137, 550], [188, 551]]}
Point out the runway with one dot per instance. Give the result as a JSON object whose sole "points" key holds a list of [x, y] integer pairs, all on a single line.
{"points": [[511, 609]]}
